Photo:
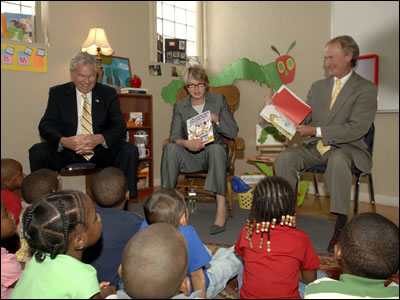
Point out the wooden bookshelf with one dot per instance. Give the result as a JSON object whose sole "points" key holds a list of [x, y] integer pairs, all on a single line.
{"points": [[140, 103]]}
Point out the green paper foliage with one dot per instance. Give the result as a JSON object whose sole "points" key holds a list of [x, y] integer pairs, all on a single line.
{"points": [[242, 68], [269, 130]]}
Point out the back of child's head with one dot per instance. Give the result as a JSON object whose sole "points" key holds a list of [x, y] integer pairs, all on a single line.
{"points": [[109, 187], [50, 221], [370, 246], [39, 183], [9, 170], [165, 206], [273, 204], [154, 262]]}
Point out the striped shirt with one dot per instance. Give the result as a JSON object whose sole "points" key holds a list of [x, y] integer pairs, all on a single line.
{"points": [[351, 287]]}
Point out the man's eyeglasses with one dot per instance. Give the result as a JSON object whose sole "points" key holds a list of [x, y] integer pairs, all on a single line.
{"points": [[199, 85]]}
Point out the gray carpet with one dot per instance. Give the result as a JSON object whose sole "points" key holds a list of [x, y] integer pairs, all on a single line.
{"points": [[319, 229]]}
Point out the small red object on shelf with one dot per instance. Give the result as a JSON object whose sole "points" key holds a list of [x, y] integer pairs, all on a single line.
{"points": [[135, 81]]}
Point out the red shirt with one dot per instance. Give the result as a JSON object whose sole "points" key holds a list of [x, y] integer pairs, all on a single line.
{"points": [[275, 274], [13, 204]]}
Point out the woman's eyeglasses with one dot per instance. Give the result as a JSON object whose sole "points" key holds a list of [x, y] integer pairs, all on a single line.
{"points": [[199, 85]]}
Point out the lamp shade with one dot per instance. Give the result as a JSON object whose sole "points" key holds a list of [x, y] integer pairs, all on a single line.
{"points": [[97, 38]]}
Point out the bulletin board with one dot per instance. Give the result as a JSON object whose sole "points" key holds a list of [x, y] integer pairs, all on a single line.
{"points": [[23, 58]]}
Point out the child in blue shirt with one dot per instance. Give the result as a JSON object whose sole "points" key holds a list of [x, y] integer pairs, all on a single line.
{"points": [[206, 273], [110, 192]]}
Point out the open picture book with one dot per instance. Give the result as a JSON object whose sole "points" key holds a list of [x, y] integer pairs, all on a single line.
{"points": [[200, 128], [287, 111]]}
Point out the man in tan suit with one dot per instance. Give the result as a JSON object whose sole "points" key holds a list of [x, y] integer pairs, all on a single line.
{"points": [[343, 110]]}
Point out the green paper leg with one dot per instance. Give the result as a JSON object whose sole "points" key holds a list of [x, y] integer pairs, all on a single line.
{"points": [[265, 169]]}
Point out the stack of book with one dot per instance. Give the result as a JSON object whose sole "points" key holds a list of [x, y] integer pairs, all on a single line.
{"points": [[270, 152], [130, 90]]}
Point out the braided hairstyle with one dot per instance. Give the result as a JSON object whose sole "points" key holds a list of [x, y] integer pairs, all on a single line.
{"points": [[274, 202], [48, 223]]}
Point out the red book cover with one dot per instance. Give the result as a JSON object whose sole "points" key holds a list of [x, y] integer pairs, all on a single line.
{"points": [[292, 106]]}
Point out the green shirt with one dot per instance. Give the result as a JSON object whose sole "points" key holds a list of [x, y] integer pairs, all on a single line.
{"points": [[63, 277], [350, 286]]}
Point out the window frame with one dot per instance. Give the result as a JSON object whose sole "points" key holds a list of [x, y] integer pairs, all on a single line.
{"points": [[153, 30], [40, 26]]}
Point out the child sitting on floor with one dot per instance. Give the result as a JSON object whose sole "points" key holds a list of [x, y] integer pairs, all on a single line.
{"points": [[11, 179], [368, 252], [276, 254], [110, 192], [58, 228], [10, 267], [169, 206], [34, 186], [154, 264]]}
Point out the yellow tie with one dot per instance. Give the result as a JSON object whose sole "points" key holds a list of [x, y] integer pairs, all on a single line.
{"points": [[86, 121], [320, 146]]}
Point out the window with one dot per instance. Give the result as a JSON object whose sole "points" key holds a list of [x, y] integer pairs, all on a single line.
{"points": [[24, 21], [180, 20]]}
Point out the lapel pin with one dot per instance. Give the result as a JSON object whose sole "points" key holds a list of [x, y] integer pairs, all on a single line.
{"points": [[97, 100]]}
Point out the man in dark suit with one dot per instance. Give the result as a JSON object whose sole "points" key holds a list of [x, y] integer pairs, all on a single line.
{"points": [[83, 123], [343, 109]]}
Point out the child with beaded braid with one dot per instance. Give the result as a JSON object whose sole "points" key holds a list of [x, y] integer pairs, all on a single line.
{"points": [[58, 228], [276, 254]]}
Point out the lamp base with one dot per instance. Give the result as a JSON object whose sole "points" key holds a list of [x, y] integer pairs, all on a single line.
{"points": [[100, 71]]}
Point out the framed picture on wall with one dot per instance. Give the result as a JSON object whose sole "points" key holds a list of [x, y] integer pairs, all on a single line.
{"points": [[117, 71], [367, 67]]}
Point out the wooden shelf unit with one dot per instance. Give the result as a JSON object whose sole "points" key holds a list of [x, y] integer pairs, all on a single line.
{"points": [[140, 103]]}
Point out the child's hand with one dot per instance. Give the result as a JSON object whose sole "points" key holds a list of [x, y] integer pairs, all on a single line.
{"points": [[104, 284], [106, 289], [268, 100]]}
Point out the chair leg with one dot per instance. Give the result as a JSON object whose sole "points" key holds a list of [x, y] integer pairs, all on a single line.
{"points": [[371, 189], [315, 184], [229, 195], [59, 177], [356, 194]]}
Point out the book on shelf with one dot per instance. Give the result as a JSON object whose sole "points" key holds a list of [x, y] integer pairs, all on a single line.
{"points": [[143, 175], [200, 128], [128, 90], [135, 119], [287, 111]]}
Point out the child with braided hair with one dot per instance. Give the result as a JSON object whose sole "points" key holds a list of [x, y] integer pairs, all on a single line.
{"points": [[58, 227], [276, 254]]}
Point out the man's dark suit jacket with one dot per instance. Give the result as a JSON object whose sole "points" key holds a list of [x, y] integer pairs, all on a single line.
{"points": [[61, 116]]}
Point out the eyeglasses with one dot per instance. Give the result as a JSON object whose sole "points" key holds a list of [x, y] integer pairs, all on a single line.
{"points": [[199, 85]]}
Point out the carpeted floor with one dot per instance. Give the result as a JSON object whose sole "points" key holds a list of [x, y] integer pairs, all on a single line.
{"points": [[318, 229]]}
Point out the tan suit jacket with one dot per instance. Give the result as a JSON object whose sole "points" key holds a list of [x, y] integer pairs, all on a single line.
{"points": [[346, 124]]}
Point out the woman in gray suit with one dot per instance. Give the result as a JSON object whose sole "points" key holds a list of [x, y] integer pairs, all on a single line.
{"points": [[185, 156]]}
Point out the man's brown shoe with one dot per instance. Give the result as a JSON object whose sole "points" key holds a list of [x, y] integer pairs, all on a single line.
{"points": [[334, 240]]}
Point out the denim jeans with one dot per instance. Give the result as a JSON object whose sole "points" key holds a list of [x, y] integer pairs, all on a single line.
{"points": [[223, 267]]}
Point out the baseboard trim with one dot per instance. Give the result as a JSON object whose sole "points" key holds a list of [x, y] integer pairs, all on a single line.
{"points": [[363, 197]]}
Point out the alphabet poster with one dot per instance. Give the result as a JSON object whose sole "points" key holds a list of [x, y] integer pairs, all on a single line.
{"points": [[23, 58]]}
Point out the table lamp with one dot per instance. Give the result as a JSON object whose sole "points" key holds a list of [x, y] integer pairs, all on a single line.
{"points": [[97, 43]]}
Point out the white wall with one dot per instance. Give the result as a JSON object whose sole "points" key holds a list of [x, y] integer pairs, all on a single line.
{"points": [[375, 27]]}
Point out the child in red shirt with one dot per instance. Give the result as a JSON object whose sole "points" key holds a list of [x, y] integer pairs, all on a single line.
{"points": [[11, 180], [275, 253]]}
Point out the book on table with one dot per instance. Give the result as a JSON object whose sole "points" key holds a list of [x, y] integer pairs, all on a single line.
{"points": [[287, 111], [200, 128], [129, 90]]}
